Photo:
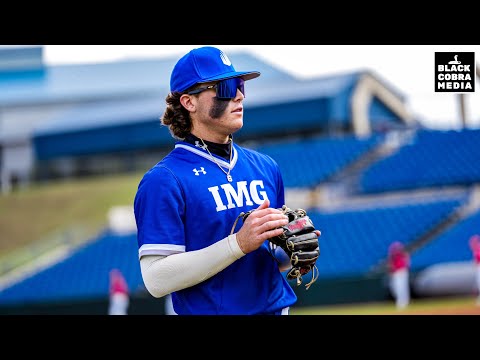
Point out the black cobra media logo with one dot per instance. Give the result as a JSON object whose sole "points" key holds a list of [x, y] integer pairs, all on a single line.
{"points": [[455, 72]]}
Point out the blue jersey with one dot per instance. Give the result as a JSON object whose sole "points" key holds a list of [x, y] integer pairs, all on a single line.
{"points": [[185, 203]]}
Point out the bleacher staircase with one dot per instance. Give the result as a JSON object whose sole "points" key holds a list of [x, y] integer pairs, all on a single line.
{"points": [[338, 190]]}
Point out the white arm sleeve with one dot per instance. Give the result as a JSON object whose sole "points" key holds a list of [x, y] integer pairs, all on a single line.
{"points": [[165, 274]]}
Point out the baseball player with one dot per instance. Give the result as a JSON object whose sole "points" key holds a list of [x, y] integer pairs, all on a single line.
{"points": [[119, 294], [474, 243], [190, 243], [399, 265]]}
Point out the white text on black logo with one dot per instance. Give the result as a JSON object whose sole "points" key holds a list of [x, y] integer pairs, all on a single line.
{"points": [[455, 72]]}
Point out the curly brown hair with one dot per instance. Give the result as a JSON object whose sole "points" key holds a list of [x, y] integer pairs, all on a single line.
{"points": [[176, 117]]}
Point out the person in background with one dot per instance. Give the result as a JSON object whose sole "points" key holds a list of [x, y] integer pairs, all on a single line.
{"points": [[475, 248], [119, 294], [399, 267]]}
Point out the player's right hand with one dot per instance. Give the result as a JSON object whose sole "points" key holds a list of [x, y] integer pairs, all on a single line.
{"points": [[262, 224]]}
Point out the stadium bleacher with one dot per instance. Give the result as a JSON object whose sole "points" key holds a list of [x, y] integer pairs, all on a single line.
{"points": [[308, 162], [451, 246], [433, 158], [82, 275]]}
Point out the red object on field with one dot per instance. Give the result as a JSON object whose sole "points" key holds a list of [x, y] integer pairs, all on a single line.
{"points": [[474, 241], [117, 282], [475, 247], [398, 258]]}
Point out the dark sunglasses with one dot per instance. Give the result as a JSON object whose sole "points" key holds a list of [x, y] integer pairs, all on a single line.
{"points": [[226, 89]]}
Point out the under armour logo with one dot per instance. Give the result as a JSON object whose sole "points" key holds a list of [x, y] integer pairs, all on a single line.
{"points": [[197, 172], [197, 144]]}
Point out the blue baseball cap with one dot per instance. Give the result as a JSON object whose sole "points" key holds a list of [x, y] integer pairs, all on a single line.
{"points": [[204, 64]]}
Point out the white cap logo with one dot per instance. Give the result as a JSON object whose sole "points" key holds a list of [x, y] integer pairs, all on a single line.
{"points": [[225, 58]]}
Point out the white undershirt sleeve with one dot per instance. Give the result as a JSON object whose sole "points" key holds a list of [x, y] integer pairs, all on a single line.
{"points": [[163, 275]]}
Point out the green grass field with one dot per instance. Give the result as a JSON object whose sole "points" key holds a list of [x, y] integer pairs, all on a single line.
{"points": [[39, 216], [464, 305]]}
